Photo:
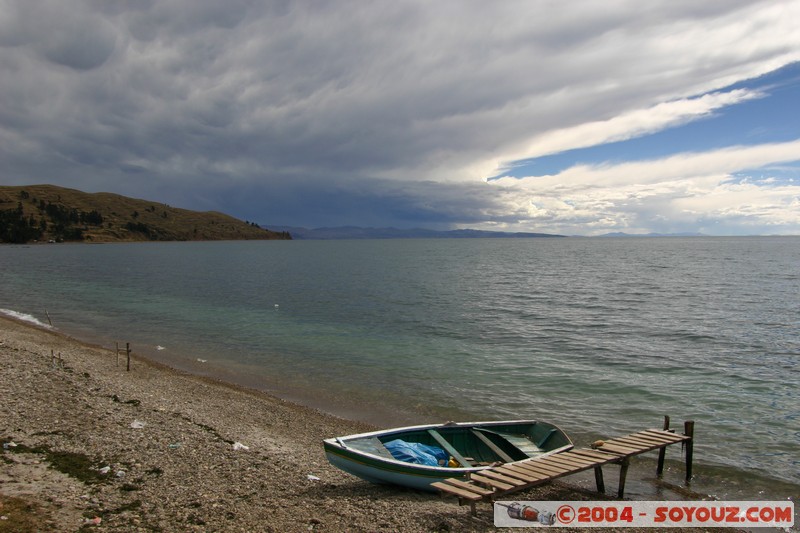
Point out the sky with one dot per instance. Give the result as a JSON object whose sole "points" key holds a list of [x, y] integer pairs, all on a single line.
{"points": [[577, 118]]}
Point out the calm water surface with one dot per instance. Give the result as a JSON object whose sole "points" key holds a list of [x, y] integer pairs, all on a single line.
{"points": [[600, 336]]}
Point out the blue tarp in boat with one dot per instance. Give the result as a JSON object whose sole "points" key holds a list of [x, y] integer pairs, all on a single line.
{"points": [[417, 453]]}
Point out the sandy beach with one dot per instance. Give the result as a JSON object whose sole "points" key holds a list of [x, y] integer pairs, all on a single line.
{"points": [[155, 449]]}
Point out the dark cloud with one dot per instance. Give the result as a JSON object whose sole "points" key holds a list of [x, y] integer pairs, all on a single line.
{"points": [[59, 33], [315, 112]]}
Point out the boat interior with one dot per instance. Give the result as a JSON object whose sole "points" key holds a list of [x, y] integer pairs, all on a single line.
{"points": [[475, 445]]}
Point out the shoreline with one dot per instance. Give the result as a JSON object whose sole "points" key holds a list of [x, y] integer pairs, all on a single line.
{"points": [[169, 440]]}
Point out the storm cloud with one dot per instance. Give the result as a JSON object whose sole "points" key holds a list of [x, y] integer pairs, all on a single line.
{"points": [[338, 112]]}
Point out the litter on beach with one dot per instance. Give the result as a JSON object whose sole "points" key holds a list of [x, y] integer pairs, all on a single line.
{"points": [[136, 424], [240, 446]]}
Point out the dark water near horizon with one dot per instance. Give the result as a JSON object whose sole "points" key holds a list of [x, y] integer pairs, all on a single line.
{"points": [[600, 336]]}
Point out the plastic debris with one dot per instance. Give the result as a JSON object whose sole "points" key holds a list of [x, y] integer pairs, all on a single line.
{"points": [[136, 424], [7, 445], [202, 360], [240, 446], [105, 470], [312, 477], [120, 473], [159, 348], [175, 445], [93, 521]]}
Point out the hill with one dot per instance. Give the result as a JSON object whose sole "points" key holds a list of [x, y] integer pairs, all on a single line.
{"points": [[354, 232], [49, 213]]}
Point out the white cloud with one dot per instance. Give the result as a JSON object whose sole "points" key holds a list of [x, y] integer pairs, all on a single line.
{"points": [[686, 190], [634, 123]]}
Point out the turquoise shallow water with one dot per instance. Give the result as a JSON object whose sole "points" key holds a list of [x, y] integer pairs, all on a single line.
{"points": [[600, 336]]}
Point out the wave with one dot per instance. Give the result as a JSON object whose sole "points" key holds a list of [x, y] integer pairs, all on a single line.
{"points": [[25, 318]]}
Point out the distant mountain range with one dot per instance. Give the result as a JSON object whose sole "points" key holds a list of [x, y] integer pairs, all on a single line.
{"points": [[354, 232], [357, 232], [621, 234]]}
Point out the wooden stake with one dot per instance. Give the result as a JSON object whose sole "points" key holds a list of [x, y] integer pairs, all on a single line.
{"points": [[623, 472], [598, 479], [48, 318], [128, 350], [663, 451], [688, 430], [117, 349]]}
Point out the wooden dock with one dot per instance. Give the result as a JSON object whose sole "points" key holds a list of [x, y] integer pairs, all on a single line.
{"points": [[499, 481]]}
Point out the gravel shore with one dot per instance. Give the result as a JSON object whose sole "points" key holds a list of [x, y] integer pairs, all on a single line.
{"points": [[87, 444]]}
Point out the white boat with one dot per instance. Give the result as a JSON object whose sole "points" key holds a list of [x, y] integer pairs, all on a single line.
{"points": [[417, 456]]}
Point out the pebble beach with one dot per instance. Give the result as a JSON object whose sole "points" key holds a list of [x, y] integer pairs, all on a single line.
{"points": [[88, 444]]}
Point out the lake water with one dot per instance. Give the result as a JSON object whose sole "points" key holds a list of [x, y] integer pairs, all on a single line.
{"points": [[600, 336]]}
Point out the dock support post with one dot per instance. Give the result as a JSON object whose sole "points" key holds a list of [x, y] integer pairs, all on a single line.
{"points": [[623, 473], [688, 430], [598, 478], [663, 451]]}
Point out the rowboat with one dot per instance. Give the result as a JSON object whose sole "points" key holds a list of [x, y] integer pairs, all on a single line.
{"points": [[417, 456]]}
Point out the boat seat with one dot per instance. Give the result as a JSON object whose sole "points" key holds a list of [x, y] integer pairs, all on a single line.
{"points": [[373, 446], [521, 442], [463, 461], [492, 446]]}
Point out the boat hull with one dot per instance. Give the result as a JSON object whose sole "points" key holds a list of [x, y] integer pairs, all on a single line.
{"points": [[389, 473]]}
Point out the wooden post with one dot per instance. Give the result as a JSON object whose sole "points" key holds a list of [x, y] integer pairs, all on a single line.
{"points": [[598, 478], [623, 472], [48, 318], [663, 451], [117, 351], [128, 350], [688, 430]]}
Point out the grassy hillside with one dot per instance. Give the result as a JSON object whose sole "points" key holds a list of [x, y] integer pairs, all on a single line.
{"points": [[49, 213]]}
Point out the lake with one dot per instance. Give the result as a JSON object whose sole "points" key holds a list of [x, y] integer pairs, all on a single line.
{"points": [[600, 336]]}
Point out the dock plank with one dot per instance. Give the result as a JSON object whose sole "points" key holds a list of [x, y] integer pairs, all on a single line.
{"points": [[639, 441], [500, 477], [470, 487], [597, 454], [674, 437], [491, 482], [525, 475], [456, 491], [575, 458], [615, 448], [539, 470]]}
